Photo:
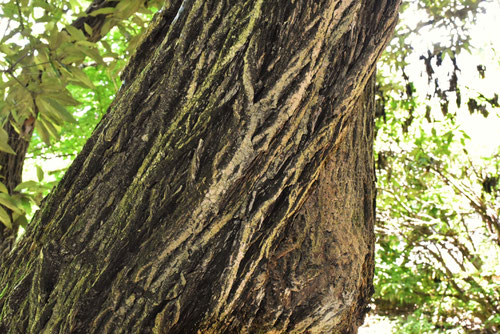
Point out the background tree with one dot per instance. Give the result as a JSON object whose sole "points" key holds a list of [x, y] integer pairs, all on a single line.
{"points": [[168, 225], [438, 205]]}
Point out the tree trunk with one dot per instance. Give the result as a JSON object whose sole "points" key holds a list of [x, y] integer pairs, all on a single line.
{"points": [[230, 187]]}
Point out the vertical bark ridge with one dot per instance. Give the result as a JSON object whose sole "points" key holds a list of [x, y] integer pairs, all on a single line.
{"points": [[189, 197]]}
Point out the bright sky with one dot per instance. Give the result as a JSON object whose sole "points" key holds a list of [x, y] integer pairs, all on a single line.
{"points": [[484, 132]]}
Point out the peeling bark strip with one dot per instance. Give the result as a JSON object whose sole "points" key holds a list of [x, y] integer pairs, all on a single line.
{"points": [[229, 189]]}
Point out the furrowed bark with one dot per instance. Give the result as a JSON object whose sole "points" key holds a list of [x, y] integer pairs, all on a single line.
{"points": [[229, 189]]}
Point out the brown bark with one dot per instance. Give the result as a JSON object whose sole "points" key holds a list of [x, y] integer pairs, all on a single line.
{"points": [[229, 189]]}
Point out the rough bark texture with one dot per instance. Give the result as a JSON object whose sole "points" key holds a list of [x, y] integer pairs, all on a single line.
{"points": [[229, 189]]}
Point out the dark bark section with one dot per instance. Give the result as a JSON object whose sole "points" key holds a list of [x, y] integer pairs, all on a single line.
{"points": [[12, 165], [11, 170], [229, 189], [95, 22]]}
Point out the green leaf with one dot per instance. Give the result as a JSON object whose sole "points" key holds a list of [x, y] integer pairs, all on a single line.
{"points": [[106, 27], [56, 39], [82, 78], [8, 202], [33, 185], [53, 112], [4, 139], [25, 201], [90, 50], [5, 218], [77, 34], [126, 8], [46, 111], [5, 49], [73, 58], [39, 173], [3, 188], [88, 29], [22, 221], [65, 99], [60, 110], [106, 46], [42, 131], [87, 44], [51, 127], [103, 11]]}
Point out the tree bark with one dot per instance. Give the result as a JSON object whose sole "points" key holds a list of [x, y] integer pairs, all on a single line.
{"points": [[229, 188]]}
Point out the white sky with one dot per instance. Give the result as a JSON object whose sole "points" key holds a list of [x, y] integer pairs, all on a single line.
{"points": [[484, 132]]}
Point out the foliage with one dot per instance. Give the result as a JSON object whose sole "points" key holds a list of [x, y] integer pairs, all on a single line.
{"points": [[52, 59], [93, 104], [438, 229]]}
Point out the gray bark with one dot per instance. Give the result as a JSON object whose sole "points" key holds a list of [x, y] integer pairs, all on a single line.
{"points": [[230, 187]]}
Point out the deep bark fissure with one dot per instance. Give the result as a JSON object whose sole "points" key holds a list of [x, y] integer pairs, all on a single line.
{"points": [[175, 226]]}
